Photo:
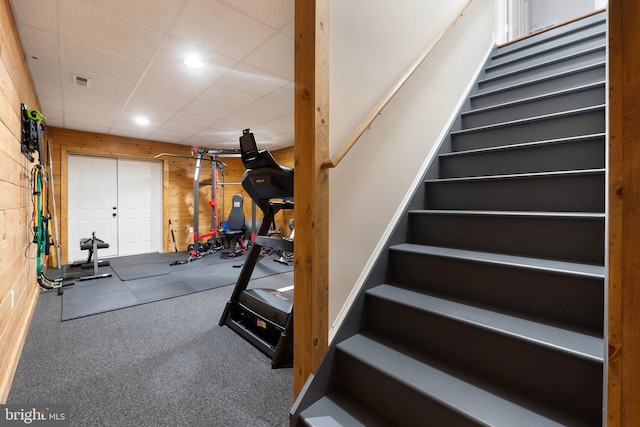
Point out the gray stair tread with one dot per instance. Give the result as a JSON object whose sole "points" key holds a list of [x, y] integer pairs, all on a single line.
{"points": [[533, 98], [520, 176], [522, 145], [560, 267], [538, 80], [335, 411], [543, 63], [596, 19], [504, 214], [596, 32], [529, 119], [553, 338], [474, 402]]}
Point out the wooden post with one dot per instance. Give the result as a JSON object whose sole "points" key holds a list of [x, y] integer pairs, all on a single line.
{"points": [[311, 195], [623, 359]]}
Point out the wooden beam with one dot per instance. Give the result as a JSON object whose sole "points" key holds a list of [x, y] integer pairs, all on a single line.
{"points": [[623, 359], [311, 193]]}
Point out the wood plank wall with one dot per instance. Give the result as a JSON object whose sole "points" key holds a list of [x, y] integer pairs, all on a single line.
{"points": [[623, 385], [178, 174], [17, 256]]}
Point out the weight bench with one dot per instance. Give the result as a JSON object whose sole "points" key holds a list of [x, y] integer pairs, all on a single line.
{"points": [[92, 245]]}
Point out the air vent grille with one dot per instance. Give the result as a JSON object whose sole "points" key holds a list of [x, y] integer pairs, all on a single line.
{"points": [[81, 81]]}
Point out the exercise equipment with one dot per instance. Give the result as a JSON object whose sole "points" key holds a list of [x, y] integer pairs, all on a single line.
{"points": [[209, 242], [31, 142], [173, 237], [264, 317], [31, 126], [92, 244], [235, 227]]}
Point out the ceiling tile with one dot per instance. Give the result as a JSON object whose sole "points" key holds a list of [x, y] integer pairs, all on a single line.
{"points": [[260, 112], [48, 103], [99, 84], [284, 94], [280, 125], [204, 108], [273, 12], [159, 77], [168, 135], [42, 14], [157, 14], [89, 58], [175, 50], [41, 44], [156, 114], [220, 28], [45, 88], [199, 121], [81, 101], [146, 95], [168, 72], [133, 51], [86, 127], [252, 80], [53, 116], [104, 122], [275, 56], [221, 131], [130, 130], [95, 26], [44, 70], [227, 97], [181, 127], [289, 29]]}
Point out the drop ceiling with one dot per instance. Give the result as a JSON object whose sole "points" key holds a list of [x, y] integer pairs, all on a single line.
{"points": [[128, 56]]}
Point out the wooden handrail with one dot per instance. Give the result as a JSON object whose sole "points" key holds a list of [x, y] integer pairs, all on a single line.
{"points": [[333, 161]]}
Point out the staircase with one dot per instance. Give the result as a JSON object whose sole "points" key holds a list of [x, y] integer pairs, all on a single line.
{"points": [[491, 310]]}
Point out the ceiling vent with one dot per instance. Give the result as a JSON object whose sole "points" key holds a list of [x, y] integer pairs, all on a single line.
{"points": [[81, 81]]}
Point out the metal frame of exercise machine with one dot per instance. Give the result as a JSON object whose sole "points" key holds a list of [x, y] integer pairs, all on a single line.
{"points": [[262, 316], [197, 249]]}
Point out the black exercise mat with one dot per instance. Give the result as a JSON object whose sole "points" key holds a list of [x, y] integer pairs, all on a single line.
{"points": [[101, 295]]}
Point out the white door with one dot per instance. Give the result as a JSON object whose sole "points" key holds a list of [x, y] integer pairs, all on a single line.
{"points": [[121, 200], [93, 195], [139, 207]]}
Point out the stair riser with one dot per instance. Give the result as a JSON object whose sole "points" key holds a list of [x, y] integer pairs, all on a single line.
{"points": [[563, 238], [556, 104], [510, 52], [542, 55], [581, 77], [554, 127], [536, 294], [564, 193], [528, 370], [392, 399], [568, 64], [551, 157]]}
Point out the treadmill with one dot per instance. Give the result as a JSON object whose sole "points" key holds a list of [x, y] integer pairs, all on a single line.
{"points": [[264, 317]]}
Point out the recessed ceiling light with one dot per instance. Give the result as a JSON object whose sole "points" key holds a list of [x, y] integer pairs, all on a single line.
{"points": [[142, 121], [193, 62]]}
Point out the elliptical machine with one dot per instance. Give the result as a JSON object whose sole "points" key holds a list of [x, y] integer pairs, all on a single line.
{"points": [[262, 316]]}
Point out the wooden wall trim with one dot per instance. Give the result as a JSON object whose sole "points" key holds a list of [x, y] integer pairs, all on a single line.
{"points": [[623, 359], [311, 193]]}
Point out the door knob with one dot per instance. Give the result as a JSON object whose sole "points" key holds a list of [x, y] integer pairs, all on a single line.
{"points": [[114, 214]]}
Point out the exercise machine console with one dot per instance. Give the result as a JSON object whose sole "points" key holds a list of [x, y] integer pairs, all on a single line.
{"points": [[263, 317]]}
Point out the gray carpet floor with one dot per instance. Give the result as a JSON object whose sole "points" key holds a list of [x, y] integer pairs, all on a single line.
{"points": [[166, 363]]}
